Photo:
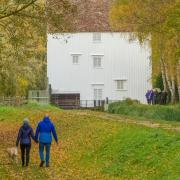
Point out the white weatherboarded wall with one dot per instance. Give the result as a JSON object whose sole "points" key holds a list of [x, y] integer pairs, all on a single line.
{"points": [[121, 60]]}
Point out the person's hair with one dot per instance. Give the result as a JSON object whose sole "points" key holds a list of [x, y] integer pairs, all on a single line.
{"points": [[26, 120]]}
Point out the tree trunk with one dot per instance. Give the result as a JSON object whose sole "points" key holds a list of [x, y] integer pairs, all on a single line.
{"points": [[163, 75], [171, 84], [178, 78], [173, 94]]}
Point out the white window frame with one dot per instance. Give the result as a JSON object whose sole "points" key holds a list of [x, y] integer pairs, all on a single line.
{"points": [[75, 59], [97, 37], [97, 61], [121, 84], [98, 93]]}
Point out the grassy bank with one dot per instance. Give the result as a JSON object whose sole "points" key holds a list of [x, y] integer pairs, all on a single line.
{"points": [[156, 112], [91, 147]]}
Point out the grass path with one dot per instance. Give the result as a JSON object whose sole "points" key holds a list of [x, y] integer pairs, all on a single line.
{"points": [[148, 123], [93, 145]]}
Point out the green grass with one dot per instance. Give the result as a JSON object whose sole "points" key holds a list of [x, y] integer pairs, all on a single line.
{"points": [[156, 112], [139, 152], [91, 147]]}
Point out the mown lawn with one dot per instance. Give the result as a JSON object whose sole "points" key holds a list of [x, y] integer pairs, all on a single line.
{"points": [[91, 147]]}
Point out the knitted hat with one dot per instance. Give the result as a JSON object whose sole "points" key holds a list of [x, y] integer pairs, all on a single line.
{"points": [[26, 121]]}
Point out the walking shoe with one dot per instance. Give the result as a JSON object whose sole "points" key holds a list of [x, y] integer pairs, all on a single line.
{"points": [[41, 164], [47, 164]]}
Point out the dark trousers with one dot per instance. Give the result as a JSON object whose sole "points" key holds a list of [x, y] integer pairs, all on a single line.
{"points": [[25, 151], [148, 101]]}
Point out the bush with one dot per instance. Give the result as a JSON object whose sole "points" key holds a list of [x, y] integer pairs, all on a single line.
{"points": [[135, 109], [130, 101], [159, 82]]}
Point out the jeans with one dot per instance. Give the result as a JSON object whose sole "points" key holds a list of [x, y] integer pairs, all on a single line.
{"points": [[25, 151], [41, 151]]}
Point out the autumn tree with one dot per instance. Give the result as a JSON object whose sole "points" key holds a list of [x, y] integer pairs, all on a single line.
{"points": [[23, 36], [159, 23]]}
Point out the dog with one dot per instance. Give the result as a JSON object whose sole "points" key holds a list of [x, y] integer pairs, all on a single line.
{"points": [[13, 153]]}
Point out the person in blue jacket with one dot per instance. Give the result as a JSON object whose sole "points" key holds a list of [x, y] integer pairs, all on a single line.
{"points": [[148, 96], [151, 96], [24, 137], [44, 132]]}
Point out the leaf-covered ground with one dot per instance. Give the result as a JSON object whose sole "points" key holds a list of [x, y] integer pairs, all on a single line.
{"points": [[91, 147]]}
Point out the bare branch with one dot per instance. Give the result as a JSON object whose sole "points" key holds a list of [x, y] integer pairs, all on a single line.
{"points": [[18, 10]]}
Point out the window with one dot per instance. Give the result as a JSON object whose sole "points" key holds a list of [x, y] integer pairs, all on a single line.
{"points": [[96, 37], [97, 61], [121, 84], [97, 94], [75, 59]]}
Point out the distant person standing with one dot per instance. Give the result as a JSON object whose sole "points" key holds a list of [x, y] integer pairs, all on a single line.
{"points": [[148, 96], [24, 137], [155, 97], [151, 96], [159, 95], [44, 132], [164, 97]]}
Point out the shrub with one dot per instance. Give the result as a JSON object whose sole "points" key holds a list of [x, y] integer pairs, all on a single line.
{"points": [[130, 101], [159, 82], [135, 109]]}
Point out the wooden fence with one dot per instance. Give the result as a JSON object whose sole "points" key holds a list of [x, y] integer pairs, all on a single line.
{"points": [[13, 101]]}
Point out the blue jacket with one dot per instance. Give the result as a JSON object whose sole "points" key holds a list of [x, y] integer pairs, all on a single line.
{"points": [[25, 134], [44, 131], [151, 95], [148, 94]]}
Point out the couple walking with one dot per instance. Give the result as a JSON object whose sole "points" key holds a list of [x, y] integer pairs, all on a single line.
{"points": [[44, 132]]}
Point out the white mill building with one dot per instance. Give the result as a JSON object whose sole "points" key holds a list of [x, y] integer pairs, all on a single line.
{"points": [[98, 65]]}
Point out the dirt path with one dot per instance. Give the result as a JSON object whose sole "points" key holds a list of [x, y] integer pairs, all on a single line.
{"points": [[146, 123]]}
